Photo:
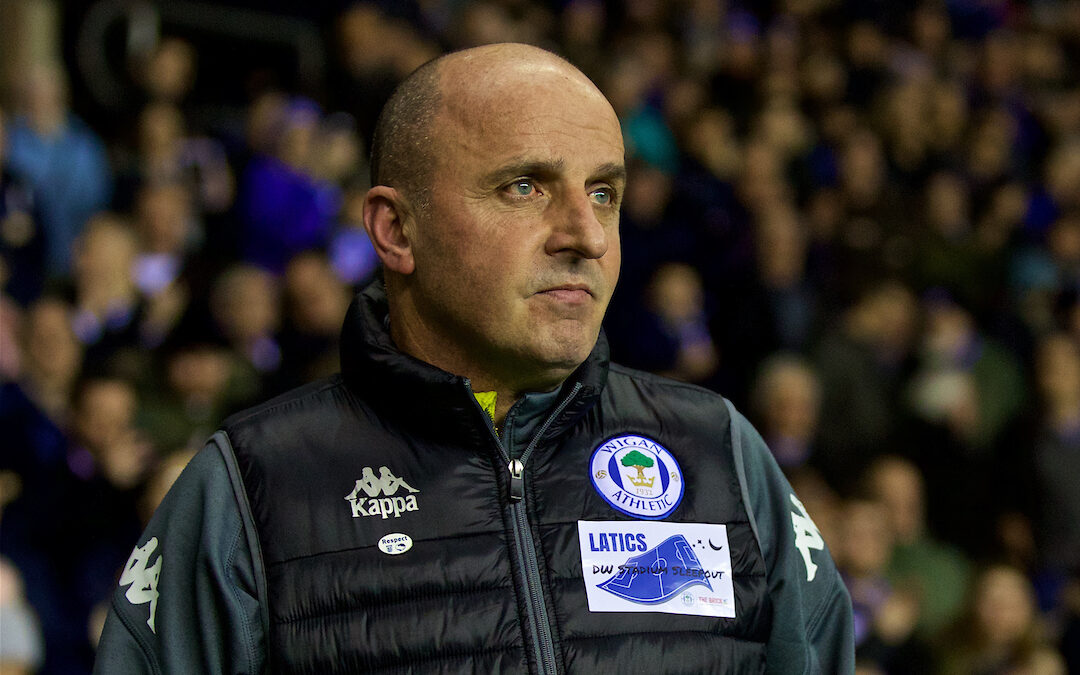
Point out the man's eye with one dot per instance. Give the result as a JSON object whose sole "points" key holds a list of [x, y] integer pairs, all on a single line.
{"points": [[602, 196], [521, 188]]}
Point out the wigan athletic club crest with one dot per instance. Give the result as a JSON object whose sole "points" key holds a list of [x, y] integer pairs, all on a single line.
{"points": [[637, 476]]}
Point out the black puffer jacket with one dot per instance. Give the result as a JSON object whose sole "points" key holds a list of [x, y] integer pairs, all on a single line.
{"points": [[491, 583], [371, 523]]}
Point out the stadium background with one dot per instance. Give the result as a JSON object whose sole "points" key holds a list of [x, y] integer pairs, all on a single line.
{"points": [[859, 220]]}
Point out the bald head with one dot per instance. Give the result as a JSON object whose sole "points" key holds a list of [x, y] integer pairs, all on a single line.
{"points": [[406, 140]]}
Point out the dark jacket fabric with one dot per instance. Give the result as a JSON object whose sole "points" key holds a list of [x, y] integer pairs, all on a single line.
{"points": [[321, 478]]}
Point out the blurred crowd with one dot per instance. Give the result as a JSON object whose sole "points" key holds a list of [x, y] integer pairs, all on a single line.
{"points": [[858, 219]]}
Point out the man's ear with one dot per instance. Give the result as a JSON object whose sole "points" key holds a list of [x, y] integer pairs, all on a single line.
{"points": [[385, 216]]}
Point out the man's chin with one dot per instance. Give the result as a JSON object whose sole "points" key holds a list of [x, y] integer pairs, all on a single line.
{"points": [[555, 364]]}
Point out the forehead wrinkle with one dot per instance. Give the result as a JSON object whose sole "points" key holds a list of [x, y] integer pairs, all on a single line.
{"points": [[475, 126]]}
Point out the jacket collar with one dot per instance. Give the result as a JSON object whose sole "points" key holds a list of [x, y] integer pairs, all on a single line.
{"points": [[401, 386]]}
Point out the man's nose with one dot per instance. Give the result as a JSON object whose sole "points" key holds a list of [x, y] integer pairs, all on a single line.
{"points": [[577, 229]]}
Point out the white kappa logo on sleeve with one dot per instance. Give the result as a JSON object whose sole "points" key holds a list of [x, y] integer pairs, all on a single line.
{"points": [[807, 536], [143, 578]]}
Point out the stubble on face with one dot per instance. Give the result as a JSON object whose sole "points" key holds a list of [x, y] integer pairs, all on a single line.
{"points": [[513, 290]]}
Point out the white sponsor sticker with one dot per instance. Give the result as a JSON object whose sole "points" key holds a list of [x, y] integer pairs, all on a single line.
{"points": [[395, 543], [646, 566]]}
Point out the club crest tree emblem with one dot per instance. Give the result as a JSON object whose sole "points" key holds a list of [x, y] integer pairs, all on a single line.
{"points": [[639, 461]]}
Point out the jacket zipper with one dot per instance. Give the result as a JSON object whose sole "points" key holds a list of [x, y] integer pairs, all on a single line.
{"points": [[525, 546]]}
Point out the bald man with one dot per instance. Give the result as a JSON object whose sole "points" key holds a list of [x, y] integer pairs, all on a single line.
{"points": [[479, 490]]}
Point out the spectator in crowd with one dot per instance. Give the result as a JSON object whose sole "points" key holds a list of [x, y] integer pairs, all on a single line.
{"points": [[873, 239], [781, 263], [774, 308], [245, 306], [108, 462], [284, 207], [999, 629], [862, 363], [375, 52], [22, 244], [61, 158], [168, 74], [651, 235], [108, 307], [786, 402], [167, 269], [22, 648], [885, 615], [111, 459], [936, 573], [672, 335], [51, 359], [200, 380], [949, 254], [582, 24], [337, 152], [1043, 272], [966, 394], [315, 303], [34, 414], [165, 153], [1055, 456]]}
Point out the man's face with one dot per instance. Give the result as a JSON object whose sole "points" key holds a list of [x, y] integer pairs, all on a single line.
{"points": [[518, 254]]}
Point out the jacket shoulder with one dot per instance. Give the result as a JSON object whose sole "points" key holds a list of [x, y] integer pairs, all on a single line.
{"points": [[619, 375], [658, 400], [311, 409]]}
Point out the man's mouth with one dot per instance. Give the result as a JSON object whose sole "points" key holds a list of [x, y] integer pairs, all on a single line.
{"points": [[568, 293]]}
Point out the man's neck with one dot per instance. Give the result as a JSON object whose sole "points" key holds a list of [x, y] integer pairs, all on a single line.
{"points": [[413, 339]]}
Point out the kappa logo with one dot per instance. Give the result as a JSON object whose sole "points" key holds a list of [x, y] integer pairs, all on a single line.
{"points": [[807, 536], [387, 485], [141, 578]]}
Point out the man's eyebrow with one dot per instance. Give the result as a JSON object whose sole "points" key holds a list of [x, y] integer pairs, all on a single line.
{"points": [[612, 172], [524, 167]]}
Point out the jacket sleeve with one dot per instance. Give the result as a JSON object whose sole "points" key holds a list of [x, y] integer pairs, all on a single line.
{"points": [[812, 629], [188, 598]]}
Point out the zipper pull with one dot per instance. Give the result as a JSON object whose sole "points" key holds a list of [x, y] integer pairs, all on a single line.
{"points": [[517, 482]]}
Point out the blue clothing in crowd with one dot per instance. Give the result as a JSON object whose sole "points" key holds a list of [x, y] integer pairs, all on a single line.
{"points": [[69, 172]]}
